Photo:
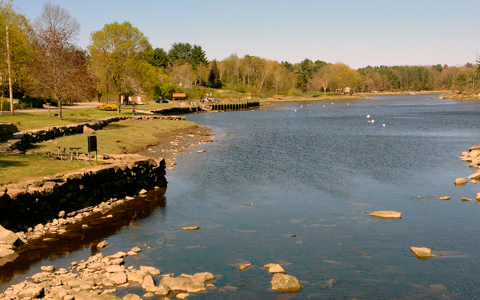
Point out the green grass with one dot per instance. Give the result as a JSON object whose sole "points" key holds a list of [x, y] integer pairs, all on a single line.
{"points": [[128, 136], [15, 168]]}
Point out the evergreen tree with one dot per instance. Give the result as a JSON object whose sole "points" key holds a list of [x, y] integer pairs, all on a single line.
{"points": [[214, 76]]}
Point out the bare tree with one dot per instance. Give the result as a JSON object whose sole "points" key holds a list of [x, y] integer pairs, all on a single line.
{"points": [[321, 78], [58, 59]]}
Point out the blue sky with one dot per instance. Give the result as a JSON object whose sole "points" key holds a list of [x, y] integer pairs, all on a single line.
{"points": [[357, 33]]}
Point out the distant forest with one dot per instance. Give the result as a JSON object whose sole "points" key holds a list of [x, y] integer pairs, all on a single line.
{"points": [[45, 62]]}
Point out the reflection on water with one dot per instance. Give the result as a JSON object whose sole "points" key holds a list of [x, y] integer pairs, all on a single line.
{"points": [[77, 238], [311, 173]]}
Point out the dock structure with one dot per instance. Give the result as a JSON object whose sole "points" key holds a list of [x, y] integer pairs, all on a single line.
{"points": [[233, 105]]}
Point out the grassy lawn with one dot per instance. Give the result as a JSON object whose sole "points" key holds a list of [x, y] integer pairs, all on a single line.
{"points": [[26, 121], [128, 136], [15, 168]]}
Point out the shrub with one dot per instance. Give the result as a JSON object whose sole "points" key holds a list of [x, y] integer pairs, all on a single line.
{"points": [[32, 102], [107, 107]]}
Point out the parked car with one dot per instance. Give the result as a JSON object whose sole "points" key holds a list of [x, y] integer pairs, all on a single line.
{"points": [[162, 101]]}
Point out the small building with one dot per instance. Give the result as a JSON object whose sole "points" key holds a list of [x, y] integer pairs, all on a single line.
{"points": [[134, 99], [178, 96], [347, 91]]}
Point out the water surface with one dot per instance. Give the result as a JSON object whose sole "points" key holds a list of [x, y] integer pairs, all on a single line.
{"points": [[311, 171]]}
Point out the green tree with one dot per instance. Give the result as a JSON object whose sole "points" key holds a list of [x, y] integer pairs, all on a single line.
{"points": [[197, 57], [119, 53], [179, 54], [304, 74], [214, 76], [160, 58], [19, 33]]}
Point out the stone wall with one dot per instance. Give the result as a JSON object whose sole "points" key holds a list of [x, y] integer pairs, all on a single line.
{"points": [[21, 140], [26, 204], [7, 129]]}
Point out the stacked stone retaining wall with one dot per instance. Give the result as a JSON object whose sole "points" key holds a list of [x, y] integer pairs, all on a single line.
{"points": [[7, 129], [26, 204]]}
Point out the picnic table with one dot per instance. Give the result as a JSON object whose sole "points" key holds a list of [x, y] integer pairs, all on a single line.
{"points": [[62, 151]]}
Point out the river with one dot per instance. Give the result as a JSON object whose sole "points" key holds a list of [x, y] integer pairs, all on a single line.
{"points": [[312, 171]]}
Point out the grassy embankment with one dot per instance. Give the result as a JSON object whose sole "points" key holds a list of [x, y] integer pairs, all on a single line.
{"points": [[127, 136]]}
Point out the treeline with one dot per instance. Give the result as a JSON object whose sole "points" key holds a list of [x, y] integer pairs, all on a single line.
{"points": [[120, 62]]}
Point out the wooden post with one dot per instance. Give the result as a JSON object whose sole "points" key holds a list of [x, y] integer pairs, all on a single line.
{"points": [[9, 74]]}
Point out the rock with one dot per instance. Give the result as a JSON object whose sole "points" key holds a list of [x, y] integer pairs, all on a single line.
{"points": [[33, 292], [386, 214], [182, 295], [136, 276], [114, 268], [460, 181], [102, 245], [422, 252], [276, 269], [61, 214], [109, 291], [285, 283], [48, 269], [131, 297], [153, 271], [143, 191], [473, 181], [478, 197], [445, 198], [148, 295], [268, 266], [476, 147], [148, 284], [243, 266], [5, 251], [9, 237], [86, 295], [475, 176], [118, 277], [131, 253], [162, 290], [191, 228], [203, 277], [136, 249], [129, 198], [117, 261], [119, 254], [200, 151], [182, 284], [466, 199]]}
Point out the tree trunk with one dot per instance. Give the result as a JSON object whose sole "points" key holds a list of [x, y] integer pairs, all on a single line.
{"points": [[59, 109], [119, 104]]}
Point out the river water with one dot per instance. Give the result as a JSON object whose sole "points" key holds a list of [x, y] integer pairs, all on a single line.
{"points": [[312, 170]]}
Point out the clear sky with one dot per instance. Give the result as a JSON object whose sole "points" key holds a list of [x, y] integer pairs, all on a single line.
{"points": [[355, 32]]}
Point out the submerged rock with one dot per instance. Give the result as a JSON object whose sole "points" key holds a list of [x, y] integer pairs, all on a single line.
{"points": [[191, 228], [285, 283], [460, 182], [422, 252], [466, 199], [445, 198], [386, 214]]}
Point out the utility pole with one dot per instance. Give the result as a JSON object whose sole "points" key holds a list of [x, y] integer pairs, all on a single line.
{"points": [[9, 75]]}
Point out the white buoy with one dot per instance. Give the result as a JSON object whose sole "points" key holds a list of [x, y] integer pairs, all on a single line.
{"points": [[383, 125], [373, 121], [295, 110], [332, 103], [301, 105], [368, 116], [348, 103]]}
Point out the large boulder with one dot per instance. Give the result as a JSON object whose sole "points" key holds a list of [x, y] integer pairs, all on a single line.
{"points": [[285, 283], [32, 292], [9, 237]]}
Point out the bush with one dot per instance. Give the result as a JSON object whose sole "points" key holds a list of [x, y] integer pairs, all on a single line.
{"points": [[32, 102], [107, 107]]}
